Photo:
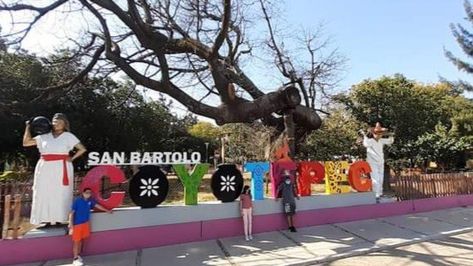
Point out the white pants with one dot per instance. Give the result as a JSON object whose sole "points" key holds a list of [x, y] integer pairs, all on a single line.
{"points": [[377, 177], [247, 221]]}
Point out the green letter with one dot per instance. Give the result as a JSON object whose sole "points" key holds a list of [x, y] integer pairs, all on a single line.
{"points": [[191, 182]]}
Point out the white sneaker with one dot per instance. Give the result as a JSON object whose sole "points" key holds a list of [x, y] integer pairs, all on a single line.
{"points": [[251, 237], [80, 259], [77, 262], [247, 238]]}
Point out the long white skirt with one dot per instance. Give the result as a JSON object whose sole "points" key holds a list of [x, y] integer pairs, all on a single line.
{"points": [[51, 199]]}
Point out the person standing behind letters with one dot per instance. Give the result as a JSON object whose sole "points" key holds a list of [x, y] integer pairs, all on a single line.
{"points": [[288, 191], [375, 156]]}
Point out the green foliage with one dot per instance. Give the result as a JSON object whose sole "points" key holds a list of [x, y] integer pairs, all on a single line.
{"points": [[105, 114], [246, 142], [401, 105], [337, 138], [464, 38], [444, 147], [3, 45], [206, 131], [13, 176], [8, 175]]}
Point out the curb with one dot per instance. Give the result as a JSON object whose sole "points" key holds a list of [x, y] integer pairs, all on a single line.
{"points": [[377, 248]]}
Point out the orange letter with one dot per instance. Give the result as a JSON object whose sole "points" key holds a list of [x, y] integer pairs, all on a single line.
{"points": [[355, 176]]}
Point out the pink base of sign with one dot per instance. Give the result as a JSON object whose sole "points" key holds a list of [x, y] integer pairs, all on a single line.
{"points": [[48, 248]]}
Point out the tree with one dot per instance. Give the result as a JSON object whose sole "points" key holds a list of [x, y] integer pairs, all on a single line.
{"points": [[205, 130], [18, 75], [444, 147], [173, 46], [406, 108], [410, 110], [246, 142], [464, 39], [337, 138], [3, 45], [106, 115]]}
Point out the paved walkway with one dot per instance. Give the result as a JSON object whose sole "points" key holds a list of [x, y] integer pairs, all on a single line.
{"points": [[394, 240]]}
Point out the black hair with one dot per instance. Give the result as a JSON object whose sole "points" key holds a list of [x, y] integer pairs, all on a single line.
{"points": [[86, 189], [245, 190]]}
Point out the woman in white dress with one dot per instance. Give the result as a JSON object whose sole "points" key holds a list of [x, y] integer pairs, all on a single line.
{"points": [[54, 172]]}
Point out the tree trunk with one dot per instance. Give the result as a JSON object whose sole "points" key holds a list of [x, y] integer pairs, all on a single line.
{"points": [[387, 178], [290, 131]]}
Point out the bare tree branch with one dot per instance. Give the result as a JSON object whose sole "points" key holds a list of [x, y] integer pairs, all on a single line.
{"points": [[224, 28], [194, 50], [46, 92]]}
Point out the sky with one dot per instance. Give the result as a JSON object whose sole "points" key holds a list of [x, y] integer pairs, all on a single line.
{"points": [[384, 37], [377, 37]]}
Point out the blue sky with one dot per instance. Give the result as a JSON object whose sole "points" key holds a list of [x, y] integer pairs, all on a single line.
{"points": [[383, 37]]}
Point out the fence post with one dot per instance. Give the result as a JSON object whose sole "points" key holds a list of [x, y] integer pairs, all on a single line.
{"points": [[6, 217], [1, 209], [16, 216]]}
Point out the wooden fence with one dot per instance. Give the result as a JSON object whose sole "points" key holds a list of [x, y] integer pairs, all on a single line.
{"points": [[18, 197], [419, 186], [15, 202]]}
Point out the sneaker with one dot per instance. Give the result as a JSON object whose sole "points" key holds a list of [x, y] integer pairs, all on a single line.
{"points": [[77, 262], [80, 259], [377, 200], [251, 237], [294, 229], [247, 238]]}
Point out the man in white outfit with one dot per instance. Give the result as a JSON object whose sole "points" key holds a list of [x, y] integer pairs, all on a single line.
{"points": [[375, 156]]}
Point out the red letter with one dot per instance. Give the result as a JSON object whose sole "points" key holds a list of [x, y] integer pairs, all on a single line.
{"points": [[276, 170], [309, 173], [357, 170], [93, 180]]}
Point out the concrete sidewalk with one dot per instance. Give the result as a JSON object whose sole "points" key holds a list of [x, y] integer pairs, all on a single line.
{"points": [[309, 246]]}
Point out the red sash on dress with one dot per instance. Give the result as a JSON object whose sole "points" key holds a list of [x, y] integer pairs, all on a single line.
{"points": [[59, 157]]}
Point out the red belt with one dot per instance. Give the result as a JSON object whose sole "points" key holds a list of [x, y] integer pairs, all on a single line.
{"points": [[59, 157]]}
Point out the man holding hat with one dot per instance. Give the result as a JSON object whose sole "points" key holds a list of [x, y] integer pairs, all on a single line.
{"points": [[375, 156]]}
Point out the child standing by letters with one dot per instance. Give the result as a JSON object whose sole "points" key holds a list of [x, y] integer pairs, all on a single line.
{"points": [[79, 218], [246, 208]]}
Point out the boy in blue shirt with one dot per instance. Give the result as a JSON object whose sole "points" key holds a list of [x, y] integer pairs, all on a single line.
{"points": [[79, 217]]}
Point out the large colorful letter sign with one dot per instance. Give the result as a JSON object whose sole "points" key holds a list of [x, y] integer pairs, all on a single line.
{"points": [[227, 183], [191, 182], [149, 187], [257, 170], [309, 173], [276, 171], [336, 177], [357, 176], [93, 180]]}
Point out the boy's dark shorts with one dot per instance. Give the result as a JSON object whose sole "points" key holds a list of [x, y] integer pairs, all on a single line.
{"points": [[289, 208]]}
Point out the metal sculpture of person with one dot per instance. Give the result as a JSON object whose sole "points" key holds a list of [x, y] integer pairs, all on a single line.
{"points": [[53, 176], [374, 143]]}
